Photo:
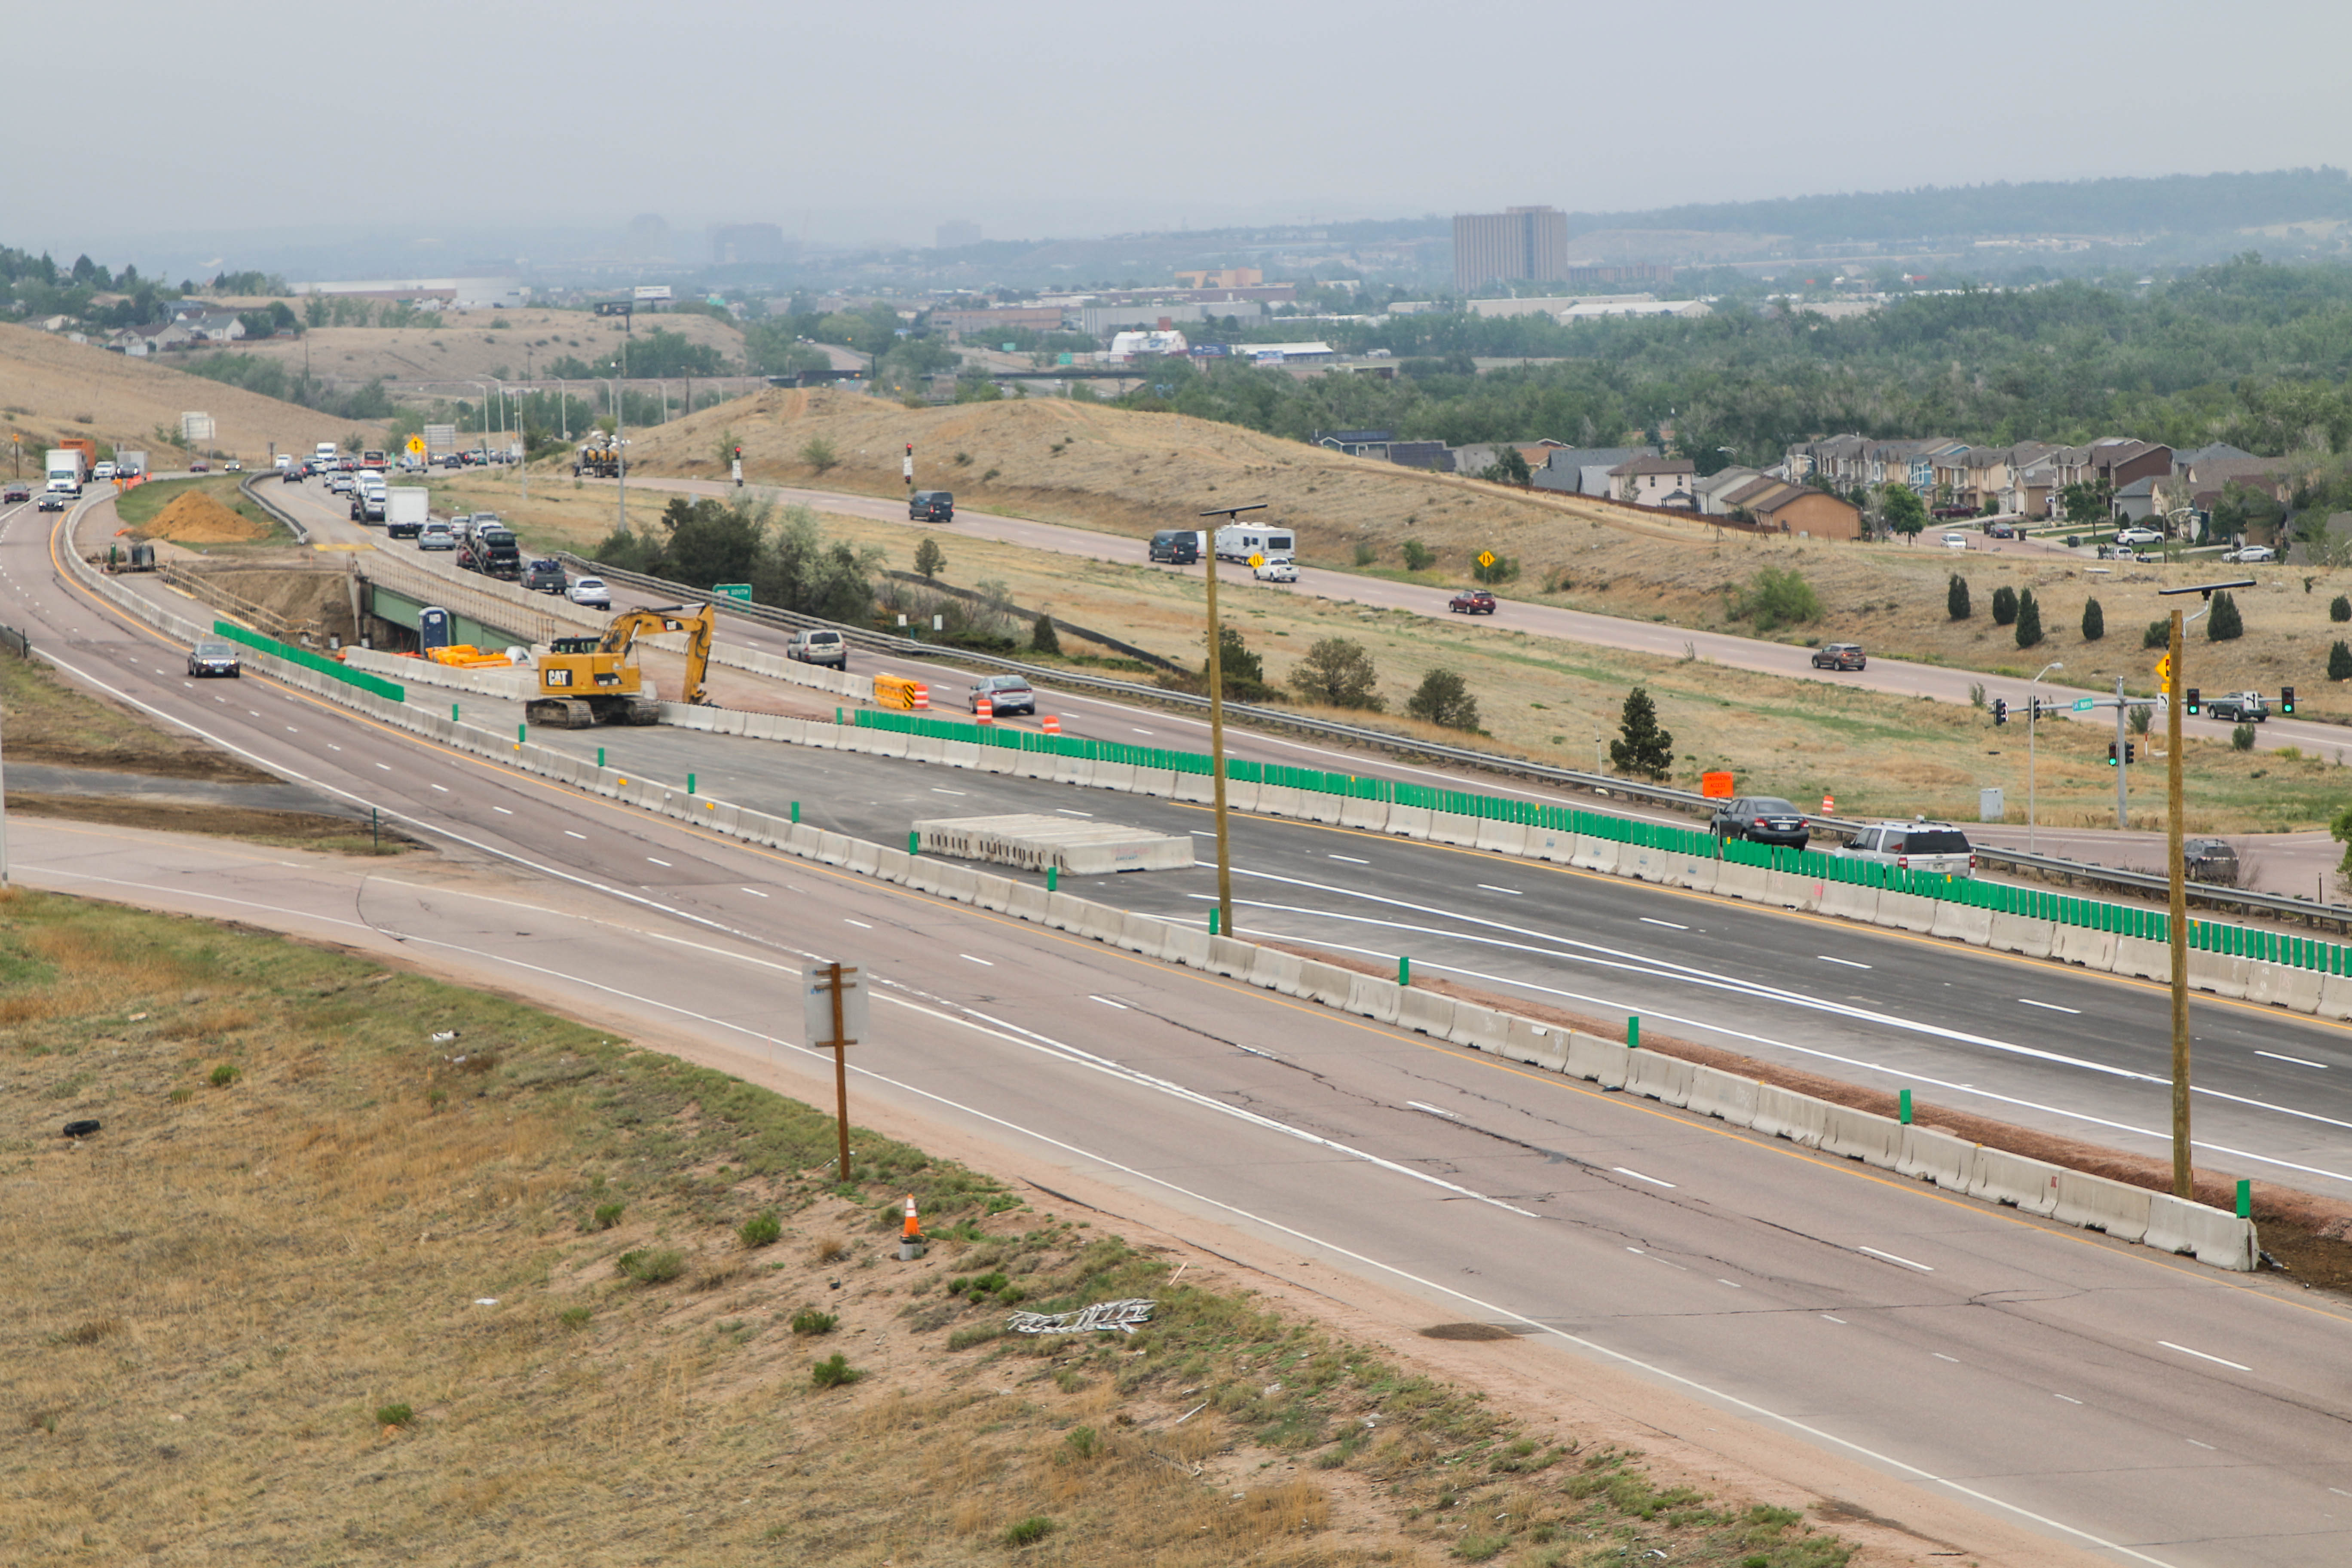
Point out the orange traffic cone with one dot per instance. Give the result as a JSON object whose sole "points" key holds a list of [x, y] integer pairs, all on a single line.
{"points": [[911, 1241], [1829, 803], [1053, 724]]}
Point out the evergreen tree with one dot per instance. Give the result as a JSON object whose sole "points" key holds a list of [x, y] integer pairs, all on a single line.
{"points": [[1642, 748], [1956, 598], [2029, 620], [1042, 637], [2223, 625], [929, 559], [1340, 673], [2339, 608], [2339, 663], [1444, 698], [2004, 606], [2094, 621]]}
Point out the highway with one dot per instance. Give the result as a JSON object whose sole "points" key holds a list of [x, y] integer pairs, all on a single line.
{"points": [[2126, 1404], [2036, 1043]]}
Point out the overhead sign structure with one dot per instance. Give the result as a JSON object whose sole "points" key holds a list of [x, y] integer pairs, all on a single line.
{"points": [[833, 1010]]}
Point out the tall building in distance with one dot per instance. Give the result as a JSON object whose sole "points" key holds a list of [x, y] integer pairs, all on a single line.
{"points": [[747, 244], [1516, 243], [957, 235]]}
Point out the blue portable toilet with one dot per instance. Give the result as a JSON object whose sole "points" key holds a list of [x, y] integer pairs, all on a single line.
{"points": [[432, 628]]}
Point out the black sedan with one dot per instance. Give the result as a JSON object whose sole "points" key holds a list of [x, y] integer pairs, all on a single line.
{"points": [[214, 658], [1761, 819]]}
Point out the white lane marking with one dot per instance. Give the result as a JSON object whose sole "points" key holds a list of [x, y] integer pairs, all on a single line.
{"points": [[755, 892], [1940, 1355], [985, 963], [291, 731], [385, 767], [569, 834], [1108, 1003], [1612, 959], [2339, 1492], [255, 712], [2296, 1060], [1492, 889], [1139, 730], [1637, 1175], [2072, 1400], [2207, 1446], [1351, 861], [859, 924], [1065, 811], [657, 861], [1670, 925], [1202, 833], [1849, 962], [502, 811], [332, 747], [1838, 1322], [1655, 1258], [443, 788], [1891, 1258], [2050, 1006], [2201, 1355], [1433, 1111], [937, 790], [1733, 1283]]}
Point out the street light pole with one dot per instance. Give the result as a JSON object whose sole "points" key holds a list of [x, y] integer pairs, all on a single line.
{"points": [[1217, 720], [2032, 723], [2184, 1174]]}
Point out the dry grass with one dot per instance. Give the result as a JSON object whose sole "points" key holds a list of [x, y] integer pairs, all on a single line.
{"points": [[1547, 698], [47, 721], [52, 386], [220, 1304], [510, 345]]}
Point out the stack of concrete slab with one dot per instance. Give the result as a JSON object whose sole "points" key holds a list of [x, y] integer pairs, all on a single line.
{"points": [[1034, 843]]}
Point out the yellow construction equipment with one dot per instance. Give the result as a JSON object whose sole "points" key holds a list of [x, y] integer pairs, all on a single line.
{"points": [[595, 681], [599, 458]]}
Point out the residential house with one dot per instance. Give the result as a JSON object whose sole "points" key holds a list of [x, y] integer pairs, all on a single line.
{"points": [[1974, 476], [1657, 481], [1584, 470], [1713, 492], [1795, 508], [215, 327], [1355, 443], [1474, 460], [1847, 461], [1434, 455]]}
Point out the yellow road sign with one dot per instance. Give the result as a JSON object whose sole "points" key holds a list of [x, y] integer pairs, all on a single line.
{"points": [[1256, 561], [416, 445], [2164, 668], [1485, 558]]}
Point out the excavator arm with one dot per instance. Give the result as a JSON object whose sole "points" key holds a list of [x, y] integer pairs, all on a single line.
{"points": [[697, 621]]}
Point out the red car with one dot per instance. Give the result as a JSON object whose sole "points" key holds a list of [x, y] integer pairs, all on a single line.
{"points": [[200, 467], [15, 494], [1473, 602]]}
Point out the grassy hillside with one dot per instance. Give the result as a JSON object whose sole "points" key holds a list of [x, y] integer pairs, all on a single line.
{"points": [[51, 386], [454, 345], [322, 1288]]}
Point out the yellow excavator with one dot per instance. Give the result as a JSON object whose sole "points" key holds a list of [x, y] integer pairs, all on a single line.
{"points": [[595, 681]]}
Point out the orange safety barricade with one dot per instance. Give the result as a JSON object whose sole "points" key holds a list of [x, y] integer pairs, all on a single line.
{"points": [[1053, 724], [984, 710]]}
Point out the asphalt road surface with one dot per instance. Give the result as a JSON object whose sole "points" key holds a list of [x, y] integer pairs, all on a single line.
{"points": [[2126, 1401]]}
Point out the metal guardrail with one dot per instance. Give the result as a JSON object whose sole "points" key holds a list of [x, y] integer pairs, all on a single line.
{"points": [[1608, 786], [294, 524]]}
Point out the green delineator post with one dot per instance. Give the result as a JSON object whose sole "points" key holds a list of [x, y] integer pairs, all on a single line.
{"points": [[1404, 970], [1213, 922], [1053, 878], [453, 712], [796, 804], [600, 763], [523, 733], [1906, 1107], [689, 784], [1633, 1032], [2245, 1200], [914, 841]]}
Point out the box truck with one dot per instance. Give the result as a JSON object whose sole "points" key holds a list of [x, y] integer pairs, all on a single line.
{"points": [[65, 470], [1239, 541], [406, 510]]}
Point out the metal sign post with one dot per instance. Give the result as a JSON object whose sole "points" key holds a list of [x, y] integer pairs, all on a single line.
{"points": [[833, 1008], [1217, 722]]}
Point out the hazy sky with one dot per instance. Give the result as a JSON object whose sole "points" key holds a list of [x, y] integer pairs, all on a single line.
{"points": [[856, 122]]}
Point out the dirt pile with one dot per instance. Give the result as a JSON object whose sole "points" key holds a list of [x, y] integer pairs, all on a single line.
{"points": [[198, 519]]}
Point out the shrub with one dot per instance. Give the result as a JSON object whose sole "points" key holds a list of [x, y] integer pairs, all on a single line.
{"points": [[1501, 569], [1777, 597], [2029, 620], [1366, 555], [2339, 608], [834, 1372], [394, 1415], [1042, 637], [762, 1229], [1956, 598], [2241, 738], [2004, 606], [978, 1334], [1480, 1548], [1080, 1444], [1034, 1528], [1340, 673], [649, 1266], [929, 559], [574, 1317], [224, 1076], [1643, 747], [820, 454], [2224, 624], [2094, 621], [1444, 698], [2139, 720], [1417, 557], [2157, 634], [808, 1322], [2340, 662], [607, 1215]]}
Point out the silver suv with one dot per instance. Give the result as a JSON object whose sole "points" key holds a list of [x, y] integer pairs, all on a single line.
{"points": [[1936, 847], [819, 647]]}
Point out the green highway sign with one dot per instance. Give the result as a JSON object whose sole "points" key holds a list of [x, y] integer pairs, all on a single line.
{"points": [[2082, 704], [733, 590]]}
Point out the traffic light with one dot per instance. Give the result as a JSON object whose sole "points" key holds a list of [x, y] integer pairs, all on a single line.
{"points": [[2286, 699], [910, 449], [738, 454], [2195, 707], [2131, 752], [2001, 709]]}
